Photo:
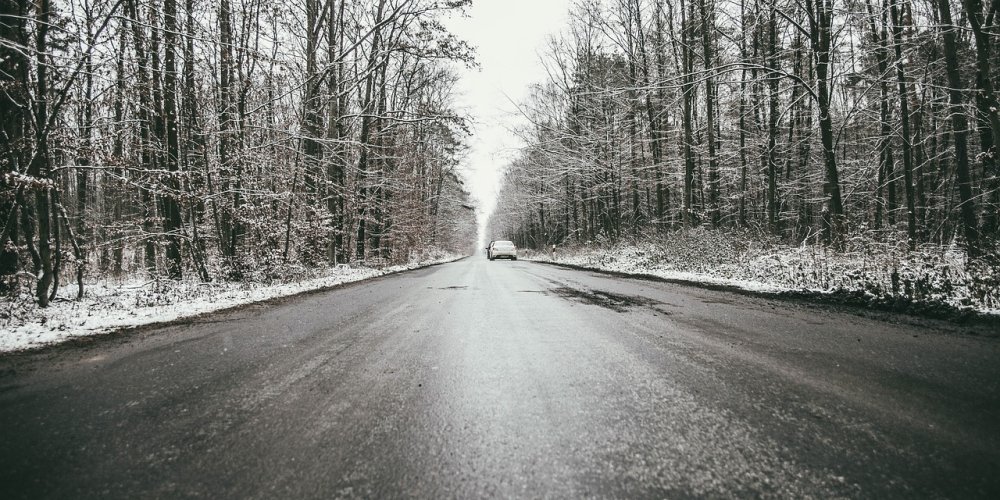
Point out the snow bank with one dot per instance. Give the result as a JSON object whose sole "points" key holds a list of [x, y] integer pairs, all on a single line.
{"points": [[876, 272], [114, 304]]}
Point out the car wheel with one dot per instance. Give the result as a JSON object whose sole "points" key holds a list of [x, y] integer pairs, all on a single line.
{"points": [[514, 258]]}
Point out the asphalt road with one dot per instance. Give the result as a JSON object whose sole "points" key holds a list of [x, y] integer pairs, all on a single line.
{"points": [[509, 379]]}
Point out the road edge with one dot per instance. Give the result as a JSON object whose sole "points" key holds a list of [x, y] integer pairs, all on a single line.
{"points": [[122, 333], [971, 322]]}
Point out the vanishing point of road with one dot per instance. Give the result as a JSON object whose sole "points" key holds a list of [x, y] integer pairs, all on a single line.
{"points": [[509, 379]]}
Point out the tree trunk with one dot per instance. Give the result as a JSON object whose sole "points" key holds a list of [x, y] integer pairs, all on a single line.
{"points": [[821, 34], [959, 125], [312, 130], [335, 132], [147, 158], [772, 123], [662, 207], [225, 219], [83, 155], [742, 209], [172, 214], [885, 193], [364, 181], [114, 193], [40, 160], [14, 120], [687, 87], [984, 30], [707, 29], [904, 112]]}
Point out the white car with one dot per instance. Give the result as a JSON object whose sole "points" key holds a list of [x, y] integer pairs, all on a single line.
{"points": [[501, 249]]}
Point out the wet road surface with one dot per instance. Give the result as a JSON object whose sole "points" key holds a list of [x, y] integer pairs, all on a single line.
{"points": [[508, 379]]}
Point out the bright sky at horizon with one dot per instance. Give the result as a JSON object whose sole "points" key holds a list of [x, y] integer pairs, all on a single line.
{"points": [[509, 37]]}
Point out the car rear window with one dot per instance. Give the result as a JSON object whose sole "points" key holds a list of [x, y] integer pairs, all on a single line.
{"points": [[503, 244]]}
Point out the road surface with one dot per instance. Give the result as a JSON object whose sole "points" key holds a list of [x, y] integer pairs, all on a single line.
{"points": [[509, 379]]}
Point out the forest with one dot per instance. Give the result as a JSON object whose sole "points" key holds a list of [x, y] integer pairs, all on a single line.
{"points": [[795, 122], [226, 139]]}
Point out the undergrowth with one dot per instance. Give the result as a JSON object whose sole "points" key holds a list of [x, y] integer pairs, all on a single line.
{"points": [[864, 267]]}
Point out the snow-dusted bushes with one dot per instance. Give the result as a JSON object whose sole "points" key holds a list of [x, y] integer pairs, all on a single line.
{"points": [[865, 267]]}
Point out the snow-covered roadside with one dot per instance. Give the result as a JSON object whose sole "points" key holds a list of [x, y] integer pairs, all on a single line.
{"points": [[626, 266], [932, 279], [110, 305]]}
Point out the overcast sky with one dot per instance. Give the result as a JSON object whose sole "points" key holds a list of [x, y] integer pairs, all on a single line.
{"points": [[509, 36]]}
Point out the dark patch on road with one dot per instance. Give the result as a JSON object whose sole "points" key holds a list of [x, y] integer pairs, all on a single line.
{"points": [[719, 301], [454, 287], [607, 300]]}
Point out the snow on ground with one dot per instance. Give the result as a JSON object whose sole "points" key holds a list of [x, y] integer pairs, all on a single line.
{"points": [[109, 305], [932, 276]]}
